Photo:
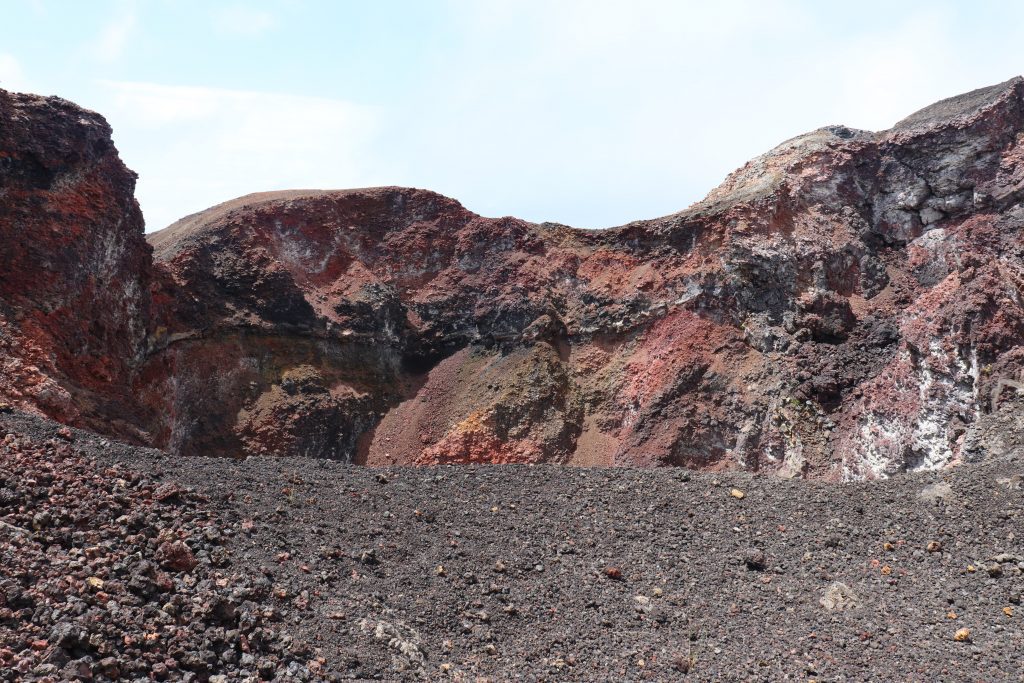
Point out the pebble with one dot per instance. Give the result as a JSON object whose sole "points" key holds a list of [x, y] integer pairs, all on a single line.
{"points": [[755, 560]]}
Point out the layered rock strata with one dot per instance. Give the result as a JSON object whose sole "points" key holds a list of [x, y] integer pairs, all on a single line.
{"points": [[847, 305]]}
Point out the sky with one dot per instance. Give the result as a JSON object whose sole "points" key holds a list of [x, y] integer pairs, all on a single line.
{"points": [[583, 112]]}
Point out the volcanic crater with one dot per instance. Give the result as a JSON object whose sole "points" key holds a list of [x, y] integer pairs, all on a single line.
{"points": [[184, 417], [846, 306]]}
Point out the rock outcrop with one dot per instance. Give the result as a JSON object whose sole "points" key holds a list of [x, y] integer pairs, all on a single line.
{"points": [[75, 282], [847, 305]]}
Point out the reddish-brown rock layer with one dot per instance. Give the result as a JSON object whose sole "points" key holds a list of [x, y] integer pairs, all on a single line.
{"points": [[74, 286], [844, 306]]}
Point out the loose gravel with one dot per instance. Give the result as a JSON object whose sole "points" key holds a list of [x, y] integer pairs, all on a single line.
{"points": [[121, 562]]}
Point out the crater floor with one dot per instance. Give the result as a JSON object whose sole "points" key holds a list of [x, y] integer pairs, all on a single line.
{"points": [[558, 573]]}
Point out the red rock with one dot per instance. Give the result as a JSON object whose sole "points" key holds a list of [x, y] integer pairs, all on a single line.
{"points": [[847, 305], [176, 556], [168, 491], [614, 573], [77, 270]]}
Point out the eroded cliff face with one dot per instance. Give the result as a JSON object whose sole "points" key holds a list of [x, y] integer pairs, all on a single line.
{"points": [[76, 274], [845, 306]]}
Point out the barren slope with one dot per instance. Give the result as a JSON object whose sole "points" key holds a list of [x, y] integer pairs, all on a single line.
{"points": [[325, 571]]}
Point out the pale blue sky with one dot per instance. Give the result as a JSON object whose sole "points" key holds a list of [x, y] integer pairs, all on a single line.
{"points": [[584, 112]]}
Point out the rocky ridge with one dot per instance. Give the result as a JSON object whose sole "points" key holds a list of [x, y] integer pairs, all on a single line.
{"points": [[845, 306]]}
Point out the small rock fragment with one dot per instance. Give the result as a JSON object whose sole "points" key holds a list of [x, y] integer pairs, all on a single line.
{"points": [[755, 560], [109, 667], [737, 494], [168, 492], [1012, 482], [176, 556], [839, 597], [1007, 558], [940, 492]]}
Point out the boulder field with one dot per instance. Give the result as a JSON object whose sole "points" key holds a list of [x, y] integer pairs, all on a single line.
{"points": [[846, 306]]}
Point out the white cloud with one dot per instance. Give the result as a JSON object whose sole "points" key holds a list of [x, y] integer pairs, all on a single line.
{"points": [[195, 147], [595, 113], [245, 21], [110, 45], [588, 112], [11, 75], [880, 77]]}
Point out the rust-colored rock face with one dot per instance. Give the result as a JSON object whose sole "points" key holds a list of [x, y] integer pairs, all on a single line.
{"points": [[74, 285], [845, 306]]}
